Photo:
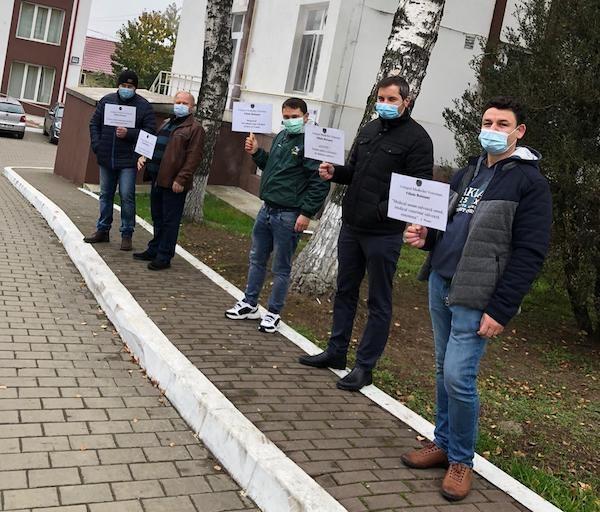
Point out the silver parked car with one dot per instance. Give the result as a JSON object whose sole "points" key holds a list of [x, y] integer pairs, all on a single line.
{"points": [[53, 122], [12, 117]]}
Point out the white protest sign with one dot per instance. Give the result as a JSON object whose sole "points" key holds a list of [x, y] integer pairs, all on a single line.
{"points": [[419, 201], [252, 117], [324, 144], [119, 115], [145, 144]]}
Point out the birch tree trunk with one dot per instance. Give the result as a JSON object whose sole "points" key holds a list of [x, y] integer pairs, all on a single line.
{"points": [[212, 97], [412, 38]]}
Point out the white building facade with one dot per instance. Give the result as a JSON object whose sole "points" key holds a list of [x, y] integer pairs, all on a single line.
{"points": [[329, 53]]}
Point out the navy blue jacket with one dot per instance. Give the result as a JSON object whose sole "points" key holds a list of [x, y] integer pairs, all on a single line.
{"points": [[110, 150], [508, 236]]}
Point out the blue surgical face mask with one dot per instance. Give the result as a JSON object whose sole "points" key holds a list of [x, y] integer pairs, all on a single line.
{"points": [[295, 125], [493, 142], [126, 93], [180, 110], [387, 111]]}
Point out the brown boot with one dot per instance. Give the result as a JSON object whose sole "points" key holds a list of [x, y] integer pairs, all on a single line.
{"points": [[126, 243], [457, 482], [97, 237], [430, 456]]}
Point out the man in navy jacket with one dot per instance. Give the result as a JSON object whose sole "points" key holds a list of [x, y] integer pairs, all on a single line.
{"points": [[479, 270], [114, 149]]}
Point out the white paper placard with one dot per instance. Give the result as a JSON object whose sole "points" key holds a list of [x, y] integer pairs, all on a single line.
{"points": [[119, 115], [145, 145], [324, 144], [252, 117], [419, 201]]}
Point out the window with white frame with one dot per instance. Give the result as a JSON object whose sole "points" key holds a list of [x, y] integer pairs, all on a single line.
{"points": [[40, 23], [237, 34], [311, 31], [30, 82]]}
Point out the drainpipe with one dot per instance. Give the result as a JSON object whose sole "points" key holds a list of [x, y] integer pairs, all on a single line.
{"points": [[494, 34], [61, 92], [497, 23]]}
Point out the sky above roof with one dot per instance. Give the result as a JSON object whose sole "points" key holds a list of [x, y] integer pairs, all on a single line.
{"points": [[108, 16]]}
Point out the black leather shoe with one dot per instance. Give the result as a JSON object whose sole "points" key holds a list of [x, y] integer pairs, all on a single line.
{"points": [[356, 379], [324, 360], [144, 256], [158, 265]]}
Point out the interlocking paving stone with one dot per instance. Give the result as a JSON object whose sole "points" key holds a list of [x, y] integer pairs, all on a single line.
{"points": [[69, 438]]}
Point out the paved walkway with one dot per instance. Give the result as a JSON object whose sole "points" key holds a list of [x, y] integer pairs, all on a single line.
{"points": [[81, 428], [347, 443]]}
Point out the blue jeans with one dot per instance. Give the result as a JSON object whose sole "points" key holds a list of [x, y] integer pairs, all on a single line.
{"points": [[458, 351], [167, 208], [273, 233], [109, 178]]}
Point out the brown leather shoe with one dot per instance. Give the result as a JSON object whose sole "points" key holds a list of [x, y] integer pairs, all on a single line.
{"points": [[457, 482], [430, 456], [97, 237], [126, 243]]}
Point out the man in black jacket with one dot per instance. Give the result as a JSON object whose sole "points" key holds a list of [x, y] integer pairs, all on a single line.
{"points": [[369, 240], [114, 148]]}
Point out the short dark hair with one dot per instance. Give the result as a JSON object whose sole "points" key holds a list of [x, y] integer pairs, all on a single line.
{"points": [[400, 82], [295, 103], [508, 103]]}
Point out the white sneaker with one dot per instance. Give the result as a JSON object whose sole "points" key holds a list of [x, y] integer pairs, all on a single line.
{"points": [[243, 311], [269, 322]]}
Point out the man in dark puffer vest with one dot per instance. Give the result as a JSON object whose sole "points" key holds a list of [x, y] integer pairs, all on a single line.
{"points": [[114, 149], [479, 270], [369, 240]]}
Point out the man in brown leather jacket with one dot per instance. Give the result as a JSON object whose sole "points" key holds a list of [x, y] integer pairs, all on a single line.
{"points": [[177, 155]]}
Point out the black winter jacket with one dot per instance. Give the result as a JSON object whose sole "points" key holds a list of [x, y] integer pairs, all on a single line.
{"points": [[110, 150], [381, 148]]}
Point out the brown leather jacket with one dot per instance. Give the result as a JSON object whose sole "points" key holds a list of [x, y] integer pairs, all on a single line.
{"points": [[182, 155]]}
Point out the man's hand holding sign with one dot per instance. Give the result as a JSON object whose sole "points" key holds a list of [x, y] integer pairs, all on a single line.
{"points": [[419, 201]]}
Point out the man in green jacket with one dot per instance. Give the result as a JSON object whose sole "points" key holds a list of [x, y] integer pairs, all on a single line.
{"points": [[292, 193]]}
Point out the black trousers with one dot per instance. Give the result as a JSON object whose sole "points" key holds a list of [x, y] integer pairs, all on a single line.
{"points": [[167, 208], [378, 256]]}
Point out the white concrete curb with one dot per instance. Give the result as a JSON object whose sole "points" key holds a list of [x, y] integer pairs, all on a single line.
{"points": [[485, 468], [270, 478]]}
